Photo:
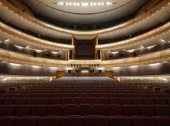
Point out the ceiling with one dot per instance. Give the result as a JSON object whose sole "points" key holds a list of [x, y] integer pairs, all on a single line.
{"points": [[84, 15]]}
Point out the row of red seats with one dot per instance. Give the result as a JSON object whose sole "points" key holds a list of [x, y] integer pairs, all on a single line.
{"points": [[91, 91], [122, 95], [84, 109], [85, 89], [85, 121], [88, 100]]}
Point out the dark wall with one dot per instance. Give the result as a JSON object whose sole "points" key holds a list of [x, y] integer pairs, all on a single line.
{"points": [[84, 49]]}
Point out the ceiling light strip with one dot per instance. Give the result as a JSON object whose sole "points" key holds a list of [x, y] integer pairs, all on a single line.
{"points": [[50, 27], [84, 4]]}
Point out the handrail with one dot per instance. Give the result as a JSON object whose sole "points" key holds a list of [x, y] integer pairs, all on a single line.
{"points": [[136, 40], [33, 40], [20, 58]]}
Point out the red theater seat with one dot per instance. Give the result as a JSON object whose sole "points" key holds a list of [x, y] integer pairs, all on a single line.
{"points": [[90, 100], [149, 101], [67, 100], [146, 110], [143, 121], [99, 109], [72, 121], [50, 121], [114, 101], [7, 110], [95, 121], [119, 121], [20, 101], [71, 109], [161, 101], [26, 121], [55, 101], [162, 120], [126, 101], [115, 110], [32, 101], [23, 110], [55, 110], [7, 120], [162, 110], [8, 101], [38, 110], [42, 101], [131, 110], [85, 109], [77, 100], [137, 101]]}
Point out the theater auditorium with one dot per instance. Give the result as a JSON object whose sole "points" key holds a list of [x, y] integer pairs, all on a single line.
{"points": [[84, 62]]}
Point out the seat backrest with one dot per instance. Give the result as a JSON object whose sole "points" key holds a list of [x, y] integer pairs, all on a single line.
{"points": [[8, 101], [7, 110], [73, 121], [162, 120], [115, 110], [143, 121], [7, 120], [38, 110], [55, 110], [26, 121], [119, 121], [95, 121], [20, 101], [146, 110], [130, 110], [50, 121], [23, 110], [77, 100], [85, 109], [99, 109], [55, 101], [162, 110], [71, 109]]}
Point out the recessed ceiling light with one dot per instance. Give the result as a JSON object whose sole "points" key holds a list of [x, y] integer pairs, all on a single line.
{"points": [[84, 4]]}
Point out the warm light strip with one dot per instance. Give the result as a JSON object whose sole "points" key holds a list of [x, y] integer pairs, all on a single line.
{"points": [[85, 4], [33, 40], [136, 40], [146, 59], [145, 79]]}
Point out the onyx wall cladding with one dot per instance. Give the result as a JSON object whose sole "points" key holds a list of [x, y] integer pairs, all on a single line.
{"points": [[24, 69], [145, 69]]}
